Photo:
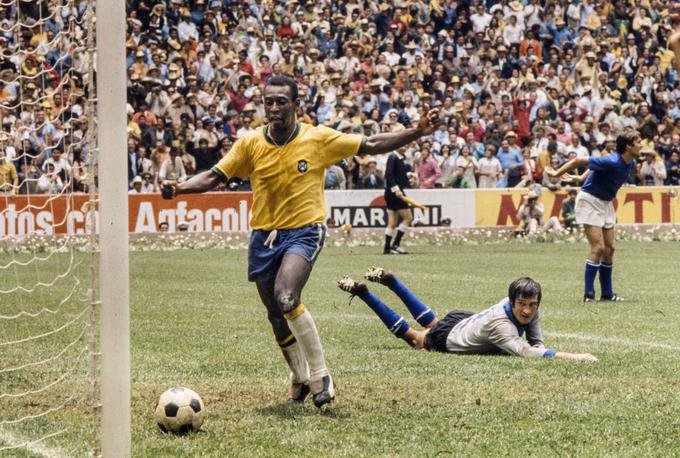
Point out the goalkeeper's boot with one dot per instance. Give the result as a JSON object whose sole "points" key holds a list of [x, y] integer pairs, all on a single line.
{"points": [[613, 298], [379, 275], [355, 288], [396, 249], [324, 390], [298, 392], [589, 297]]}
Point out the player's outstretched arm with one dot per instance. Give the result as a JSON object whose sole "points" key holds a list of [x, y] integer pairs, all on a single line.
{"points": [[204, 181], [674, 40], [566, 167], [390, 141], [585, 357]]}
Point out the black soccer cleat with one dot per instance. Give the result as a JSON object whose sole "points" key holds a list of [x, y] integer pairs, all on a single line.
{"points": [[298, 392], [398, 250], [326, 394], [589, 297], [379, 275], [355, 288], [613, 298]]}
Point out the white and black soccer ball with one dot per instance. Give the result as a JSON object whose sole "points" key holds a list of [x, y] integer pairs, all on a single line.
{"points": [[180, 410]]}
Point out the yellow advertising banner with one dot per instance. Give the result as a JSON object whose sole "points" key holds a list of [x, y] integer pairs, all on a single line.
{"points": [[634, 205]]}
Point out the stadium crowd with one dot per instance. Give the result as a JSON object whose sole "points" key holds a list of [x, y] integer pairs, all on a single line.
{"points": [[520, 86]]}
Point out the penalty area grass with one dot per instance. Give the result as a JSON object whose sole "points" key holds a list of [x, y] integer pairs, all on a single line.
{"points": [[196, 321]]}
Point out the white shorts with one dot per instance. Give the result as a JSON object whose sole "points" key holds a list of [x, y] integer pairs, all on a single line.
{"points": [[593, 211]]}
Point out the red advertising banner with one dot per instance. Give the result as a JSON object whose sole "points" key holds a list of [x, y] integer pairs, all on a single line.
{"points": [[68, 214]]}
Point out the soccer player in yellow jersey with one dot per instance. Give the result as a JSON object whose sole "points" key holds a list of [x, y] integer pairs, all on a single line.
{"points": [[285, 161]]}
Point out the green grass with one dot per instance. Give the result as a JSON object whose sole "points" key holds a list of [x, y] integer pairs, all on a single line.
{"points": [[196, 321]]}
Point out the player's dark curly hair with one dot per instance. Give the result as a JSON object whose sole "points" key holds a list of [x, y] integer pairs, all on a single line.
{"points": [[623, 140], [524, 287], [283, 80]]}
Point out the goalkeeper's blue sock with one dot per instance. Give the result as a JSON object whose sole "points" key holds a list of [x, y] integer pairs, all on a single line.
{"points": [[591, 272], [606, 279], [421, 312], [395, 323]]}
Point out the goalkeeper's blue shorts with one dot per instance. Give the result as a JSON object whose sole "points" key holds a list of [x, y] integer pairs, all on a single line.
{"points": [[266, 250]]}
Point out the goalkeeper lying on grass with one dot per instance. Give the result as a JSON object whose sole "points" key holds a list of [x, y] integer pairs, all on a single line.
{"points": [[496, 330]]}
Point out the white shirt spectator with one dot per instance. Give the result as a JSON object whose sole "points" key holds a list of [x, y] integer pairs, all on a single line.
{"points": [[489, 169], [480, 22]]}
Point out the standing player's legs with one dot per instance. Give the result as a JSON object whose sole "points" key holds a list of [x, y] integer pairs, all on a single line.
{"points": [[291, 278], [292, 352], [607, 266], [389, 230], [394, 322], [406, 218], [595, 237]]}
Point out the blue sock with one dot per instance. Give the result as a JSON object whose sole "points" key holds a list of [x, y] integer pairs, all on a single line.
{"points": [[591, 272], [395, 323], [606, 279], [419, 311]]}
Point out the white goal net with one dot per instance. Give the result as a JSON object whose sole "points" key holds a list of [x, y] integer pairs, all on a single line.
{"points": [[48, 352]]}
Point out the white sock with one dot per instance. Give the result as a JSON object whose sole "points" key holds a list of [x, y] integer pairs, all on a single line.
{"points": [[297, 363], [302, 326]]}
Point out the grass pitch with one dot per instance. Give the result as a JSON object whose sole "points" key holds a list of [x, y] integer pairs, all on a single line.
{"points": [[197, 322]]}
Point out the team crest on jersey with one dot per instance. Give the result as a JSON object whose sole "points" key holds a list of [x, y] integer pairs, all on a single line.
{"points": [[302, 166]]}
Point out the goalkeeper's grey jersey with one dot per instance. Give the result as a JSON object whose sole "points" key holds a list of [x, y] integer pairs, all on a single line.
{"points": [[496, 328]]}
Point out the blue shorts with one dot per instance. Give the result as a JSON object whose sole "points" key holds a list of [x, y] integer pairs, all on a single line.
{"points": [[264, 262]]}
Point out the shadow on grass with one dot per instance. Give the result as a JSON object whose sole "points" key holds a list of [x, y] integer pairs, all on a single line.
{"points": [[290, 411]]}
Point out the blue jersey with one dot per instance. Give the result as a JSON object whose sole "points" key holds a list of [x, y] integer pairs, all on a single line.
{"points": [[608, 173]]}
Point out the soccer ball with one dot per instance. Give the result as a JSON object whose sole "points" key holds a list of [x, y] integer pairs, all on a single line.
{"points": [[180, 410]]}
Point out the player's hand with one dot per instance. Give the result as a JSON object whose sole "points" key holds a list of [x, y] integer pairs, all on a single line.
{"points": [[429, 123], [399, 194], [586, 358], [674, 38], [168, 190]]}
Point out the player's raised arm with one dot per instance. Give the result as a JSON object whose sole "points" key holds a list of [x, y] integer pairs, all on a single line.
{"points": [[390, 141], [566, 167], [204, 181], [674, 40]]}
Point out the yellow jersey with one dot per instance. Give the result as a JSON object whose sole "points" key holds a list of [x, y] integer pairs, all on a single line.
{"points": [[288, 180]]}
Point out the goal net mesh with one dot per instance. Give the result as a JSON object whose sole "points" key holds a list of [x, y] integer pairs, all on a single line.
{"points": [[48, 350]]}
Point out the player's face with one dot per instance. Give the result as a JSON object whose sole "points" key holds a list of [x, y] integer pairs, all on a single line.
{"points": [[636, 146], [279, 107], [524, 309]]}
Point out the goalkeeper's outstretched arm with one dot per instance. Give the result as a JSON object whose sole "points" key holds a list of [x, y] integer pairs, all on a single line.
{"points": [[566, 167], [204, 181], [585, 357]]}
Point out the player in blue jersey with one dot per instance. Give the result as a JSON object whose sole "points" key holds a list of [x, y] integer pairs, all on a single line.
{"points": [[595, 211], [500, 329]]}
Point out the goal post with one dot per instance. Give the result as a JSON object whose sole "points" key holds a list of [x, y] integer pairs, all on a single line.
{"points": [[113, 232]]}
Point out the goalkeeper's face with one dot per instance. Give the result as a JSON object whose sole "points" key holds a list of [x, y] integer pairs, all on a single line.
{"points": [[525, 308], [279, 107]]}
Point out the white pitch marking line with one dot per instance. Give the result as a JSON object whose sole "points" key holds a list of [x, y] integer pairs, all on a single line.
{"points": [[14, 442], [614, 340]]}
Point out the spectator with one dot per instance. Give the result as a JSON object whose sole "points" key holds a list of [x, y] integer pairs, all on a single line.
{"points": [[673, 169], [489, 168], [172, 168], [428, 171], [9, 181], [469, 164], [652, 170], [373, 178], [335, 177], [511, 162]]}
